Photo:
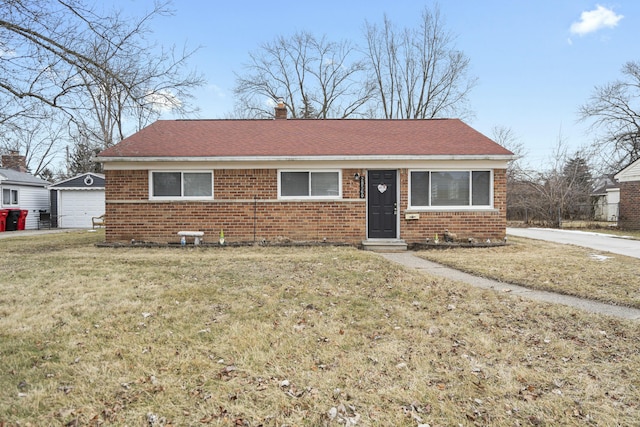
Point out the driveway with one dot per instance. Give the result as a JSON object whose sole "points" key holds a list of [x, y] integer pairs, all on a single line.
{"points": [[599, 241]]}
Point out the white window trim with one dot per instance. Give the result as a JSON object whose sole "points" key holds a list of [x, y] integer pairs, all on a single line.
{"points": [[178, 198], [337, 197], [10, 204], [469, 207]]}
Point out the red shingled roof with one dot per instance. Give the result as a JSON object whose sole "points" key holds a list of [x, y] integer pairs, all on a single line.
{"points": [[304, 138]]}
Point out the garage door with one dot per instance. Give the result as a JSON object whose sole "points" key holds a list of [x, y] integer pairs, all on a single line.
{"points": [[77, 207]]}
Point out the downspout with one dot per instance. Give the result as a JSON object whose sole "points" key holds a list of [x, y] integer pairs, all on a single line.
{"points": [[255, 216]]}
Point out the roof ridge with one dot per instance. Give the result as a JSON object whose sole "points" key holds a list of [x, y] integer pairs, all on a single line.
{"points": [[298, 119]]}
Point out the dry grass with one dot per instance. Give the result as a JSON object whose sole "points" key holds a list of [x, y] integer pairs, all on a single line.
{"points": [[296, 337], [548, 266]]}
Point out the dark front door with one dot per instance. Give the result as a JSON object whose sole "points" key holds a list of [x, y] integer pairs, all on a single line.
{"points": [[382, 207]]}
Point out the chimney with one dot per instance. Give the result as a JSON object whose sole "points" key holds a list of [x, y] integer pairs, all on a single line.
{"points": [[14, 161], [281, 110]]}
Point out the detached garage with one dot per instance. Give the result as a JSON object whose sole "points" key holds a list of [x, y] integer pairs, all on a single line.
{"points": [[76, 200]]}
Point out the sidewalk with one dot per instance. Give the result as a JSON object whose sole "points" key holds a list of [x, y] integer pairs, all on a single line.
{"points": [[408, 259]]}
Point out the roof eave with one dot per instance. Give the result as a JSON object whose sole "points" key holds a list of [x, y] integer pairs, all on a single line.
{"points": [[397, 157], [24, 183], [78, 188]]}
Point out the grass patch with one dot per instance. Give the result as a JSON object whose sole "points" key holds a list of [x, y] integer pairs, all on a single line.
{"points": [[554, 267], [290, 336]]}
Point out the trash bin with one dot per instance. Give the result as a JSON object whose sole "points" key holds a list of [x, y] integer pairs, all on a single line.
{"points": [[22, 219], [3, 219], [12, 220]]}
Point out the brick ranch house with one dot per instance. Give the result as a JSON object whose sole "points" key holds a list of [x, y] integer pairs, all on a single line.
{"points": [[349, 181], [629, 207]]}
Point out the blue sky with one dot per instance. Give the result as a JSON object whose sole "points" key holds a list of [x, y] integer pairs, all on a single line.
{"points": [[536, 61]]}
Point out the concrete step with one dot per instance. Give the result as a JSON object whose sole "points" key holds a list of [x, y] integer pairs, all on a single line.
{"points": [[384, 245]]}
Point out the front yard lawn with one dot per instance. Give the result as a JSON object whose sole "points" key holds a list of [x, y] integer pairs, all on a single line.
{"points": [[291, 336], [554, 267]]}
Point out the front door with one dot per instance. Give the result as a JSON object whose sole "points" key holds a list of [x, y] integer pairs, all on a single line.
{"points": [[382, 204]]}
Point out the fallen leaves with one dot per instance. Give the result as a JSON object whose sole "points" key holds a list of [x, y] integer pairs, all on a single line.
{"points": [[228, 372], [250, 346], [66, 389], [344, 414], [416, 411]]}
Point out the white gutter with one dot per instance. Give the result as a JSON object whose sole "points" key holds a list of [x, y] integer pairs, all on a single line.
{"points": [[229, 159]]}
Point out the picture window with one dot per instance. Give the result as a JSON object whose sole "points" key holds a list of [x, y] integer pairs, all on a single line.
{"points": [[434, 189], [177, 185], [309, 184]]}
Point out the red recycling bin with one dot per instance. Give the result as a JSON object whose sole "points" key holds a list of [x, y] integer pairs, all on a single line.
{"points": [[3, 219], [22, 219]]}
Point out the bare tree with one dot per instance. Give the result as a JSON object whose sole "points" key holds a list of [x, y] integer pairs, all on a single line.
{"points": [[135, 84], [614, 109], [43, 48], [519, 195], [418, 73], [315, 78], [97, 70], [36, 139], [560, 192], [507, 138]]}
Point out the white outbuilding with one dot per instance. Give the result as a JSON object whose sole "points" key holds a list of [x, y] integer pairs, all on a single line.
{"points": [[76, 200], [22, 194]]}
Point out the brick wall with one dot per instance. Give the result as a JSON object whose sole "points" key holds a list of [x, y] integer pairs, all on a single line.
{"points": [[629, 214], [241, 221], [126, 185], [247, 209], [243, 184]]}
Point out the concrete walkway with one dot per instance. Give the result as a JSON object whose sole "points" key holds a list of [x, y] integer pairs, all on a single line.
{"points": [[408, 259]]}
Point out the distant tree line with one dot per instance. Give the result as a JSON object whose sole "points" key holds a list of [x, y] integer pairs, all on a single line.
{"points": [[563, 190]]}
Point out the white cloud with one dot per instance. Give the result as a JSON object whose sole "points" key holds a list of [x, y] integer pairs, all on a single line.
{"points": [[7, 53], [217, 90], [163, 101], [594, 20]]}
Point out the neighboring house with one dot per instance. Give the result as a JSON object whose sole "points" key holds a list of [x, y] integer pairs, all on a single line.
{"points": [[605, 199], [629, 179], [21, 191], [76, 200], [351, 181]]}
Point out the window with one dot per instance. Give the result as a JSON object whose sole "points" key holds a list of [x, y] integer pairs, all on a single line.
{"points": [[177, 185], [320, 184], [9, 197], [450, 189]]}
